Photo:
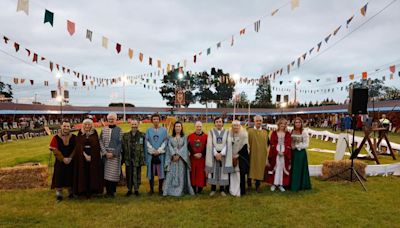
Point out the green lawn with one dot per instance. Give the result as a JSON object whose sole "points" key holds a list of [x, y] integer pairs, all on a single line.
{"points": [[328, 204]]}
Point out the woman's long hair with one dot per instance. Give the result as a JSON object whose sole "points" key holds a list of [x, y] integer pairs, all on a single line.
{"points": [[174, 132], [294, 124]]}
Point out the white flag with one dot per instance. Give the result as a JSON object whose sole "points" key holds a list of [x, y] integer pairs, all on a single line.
{"points": [[104, 42], [23, 5]]}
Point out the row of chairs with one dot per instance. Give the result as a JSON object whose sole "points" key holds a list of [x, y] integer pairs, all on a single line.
{"points": [[21, 136]]}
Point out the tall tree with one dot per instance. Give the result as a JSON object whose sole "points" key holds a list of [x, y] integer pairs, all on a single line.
{"points": [[6, 90], [263, 97], [174, 80], [224, 88], [375, 87]]}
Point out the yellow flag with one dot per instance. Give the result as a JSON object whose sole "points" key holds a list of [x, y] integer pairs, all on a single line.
{"points": [[23, 5], [130, 53]]}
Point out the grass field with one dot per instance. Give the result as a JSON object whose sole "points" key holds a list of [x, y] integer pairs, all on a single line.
{"points": [[328, 204]]}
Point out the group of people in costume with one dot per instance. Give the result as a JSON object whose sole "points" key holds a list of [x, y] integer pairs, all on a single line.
{"points": [[228, 159]]}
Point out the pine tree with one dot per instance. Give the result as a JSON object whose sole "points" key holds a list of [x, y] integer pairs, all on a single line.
{"points": [[263, 94]]}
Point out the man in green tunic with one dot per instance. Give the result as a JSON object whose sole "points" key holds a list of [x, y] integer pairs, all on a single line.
{"points": [[133, 148], [258, 142]]}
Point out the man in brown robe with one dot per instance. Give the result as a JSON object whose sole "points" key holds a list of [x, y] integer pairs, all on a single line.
{"points": [[88, 175]]}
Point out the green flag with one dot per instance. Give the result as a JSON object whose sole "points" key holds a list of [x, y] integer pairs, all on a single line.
{"points": [[48, 17]]}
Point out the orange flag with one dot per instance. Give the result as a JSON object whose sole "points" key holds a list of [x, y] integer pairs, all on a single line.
{"points": [[141, 57], [130, 53], [70, 27]]}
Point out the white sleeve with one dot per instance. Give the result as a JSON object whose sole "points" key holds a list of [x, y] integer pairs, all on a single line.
{"points": [[161, 149], [215, 151], [306, 140], [223, 151], [150, 149]]}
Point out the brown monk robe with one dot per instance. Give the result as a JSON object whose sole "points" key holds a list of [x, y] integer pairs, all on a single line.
{"points": [[88, 175]]}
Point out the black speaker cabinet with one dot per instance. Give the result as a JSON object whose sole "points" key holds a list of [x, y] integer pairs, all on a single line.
{"points": [[358, 101]]}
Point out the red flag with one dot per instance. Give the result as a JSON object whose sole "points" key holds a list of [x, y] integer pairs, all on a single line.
{"points": [[35, 57], [16, 46], [70, 27], [364, 75], [51, 66], [118, 48], [392, 69], [194, 58], [141, 57]]}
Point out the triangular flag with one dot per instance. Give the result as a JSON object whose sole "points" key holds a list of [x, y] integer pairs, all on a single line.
{"points": [[208, 51], [319, 46], [118, 47], [104, 42], [336, 30], [294, 4], [257, 25], [242, 31], [141, 57], [339, 79], [392, 69], [194, 58], [327, 38], [363, 10], [16, 46], [89, 35], [130, 53], [298, 62], [23, 5], [70, 27], [48, 17], [364, 75], [311, 50], [51, 66], [232, 41], [304, 56], [288, 68], [274, 12], [349, 20], [150, 61], [6, 39]]}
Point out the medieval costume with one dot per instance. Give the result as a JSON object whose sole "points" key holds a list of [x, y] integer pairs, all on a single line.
{"points": [[279, 159], [133, 148], [300, 177], [258, 143], [110, 142], [63, 147], [88, 175], [218, 142], [197, 145], [240, 156], [156, 141], [177, 180]]}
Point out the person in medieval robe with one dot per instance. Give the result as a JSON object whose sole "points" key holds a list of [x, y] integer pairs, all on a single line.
{"points": [[88, 171], [258, 143], [300, 176], [63, 145], [240, 159], [177, 164], [133, 148], [156, 143], [111, 151], [279, 157], [218, 157], [197, 143]]}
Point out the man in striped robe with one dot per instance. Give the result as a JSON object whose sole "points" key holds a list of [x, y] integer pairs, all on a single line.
{"points": [[110, 144]]}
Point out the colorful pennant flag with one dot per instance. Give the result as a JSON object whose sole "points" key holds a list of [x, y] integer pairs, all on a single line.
{"points": [[35, 57], [311, 50], [70, 27], [363, 10], [141, 57], [104, 42], [194, 59], [89, 35], [348, 21], [364, 75], [294, 4], [336, 30], [208, 51], [392, 69], [327, 38], [339, 79], [242, 31], [48, 17], [257, 25], [118, 47], [319, 46], [16, 46], [274, 12], [130, 53], [150, 61], [23, 5]]}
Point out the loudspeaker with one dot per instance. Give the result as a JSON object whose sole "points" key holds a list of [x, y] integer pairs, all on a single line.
{"points": [[358, 101]]}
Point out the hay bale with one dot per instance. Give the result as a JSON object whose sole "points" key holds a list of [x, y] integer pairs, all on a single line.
{"points": [[331, 168], [24, 176]]}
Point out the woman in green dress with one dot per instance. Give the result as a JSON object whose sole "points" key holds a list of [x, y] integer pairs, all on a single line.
{"points": [[300, 177]]}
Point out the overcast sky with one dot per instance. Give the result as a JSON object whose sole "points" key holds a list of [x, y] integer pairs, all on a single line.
{"points": [[175, 30]]}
